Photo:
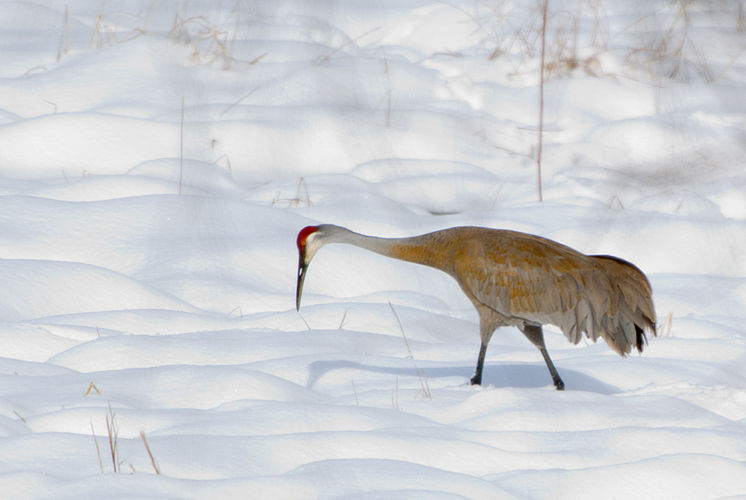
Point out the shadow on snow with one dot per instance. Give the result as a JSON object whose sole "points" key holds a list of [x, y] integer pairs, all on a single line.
{"points": [[500, 375]]}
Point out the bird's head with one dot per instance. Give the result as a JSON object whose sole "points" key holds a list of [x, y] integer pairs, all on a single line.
{"points": [[309, 241]]}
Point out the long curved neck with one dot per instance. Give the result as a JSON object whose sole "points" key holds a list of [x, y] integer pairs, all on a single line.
{"points": [[418, 249]]}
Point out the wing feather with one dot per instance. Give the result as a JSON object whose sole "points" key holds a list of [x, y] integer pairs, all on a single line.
{"points": [[525, 278]]}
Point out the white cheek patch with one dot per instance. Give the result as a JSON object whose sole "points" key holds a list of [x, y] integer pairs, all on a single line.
{"points": [[312, 246]]}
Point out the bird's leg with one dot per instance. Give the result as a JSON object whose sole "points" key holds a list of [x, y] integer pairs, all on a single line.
{"points": [[486, 329], [535, 334], [558, 383], [477, 378]]}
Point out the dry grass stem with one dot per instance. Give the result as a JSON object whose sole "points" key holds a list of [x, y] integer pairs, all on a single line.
{"points": [[258, 58], [113, 432], [395, 395], [304, 320], [98, 449], [667, 324], [209, 43], [92, 387], [421, 376], [401, 328], [64, 46], [233, 105], [354, 391], [388, 89], [150, 453], [236, 309], [344, 317], [301, 196]]}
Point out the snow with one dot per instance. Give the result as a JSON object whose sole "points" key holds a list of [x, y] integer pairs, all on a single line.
{"points": [[157, 160]]}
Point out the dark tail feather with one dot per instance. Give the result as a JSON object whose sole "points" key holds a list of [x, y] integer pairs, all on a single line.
{"points": [[636, 295], [641, 339]]}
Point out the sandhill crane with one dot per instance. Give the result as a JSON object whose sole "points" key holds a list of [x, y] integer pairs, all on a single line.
{"points": [[518, 279]]}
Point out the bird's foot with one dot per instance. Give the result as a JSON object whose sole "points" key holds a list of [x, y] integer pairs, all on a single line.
{"points": [[476, 380], [559, 384]]}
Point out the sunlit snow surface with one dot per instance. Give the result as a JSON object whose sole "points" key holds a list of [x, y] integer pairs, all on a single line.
{"points": [[157, 160]]}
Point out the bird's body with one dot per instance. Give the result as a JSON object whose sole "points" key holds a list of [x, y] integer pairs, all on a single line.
{"points": [[519, 279]]}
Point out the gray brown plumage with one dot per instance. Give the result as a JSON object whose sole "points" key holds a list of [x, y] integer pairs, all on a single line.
{"points": [[519, 279]]}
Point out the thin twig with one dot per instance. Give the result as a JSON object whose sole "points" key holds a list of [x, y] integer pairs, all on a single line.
{"points": [[181, 145], [541, 96], [351, 41]]}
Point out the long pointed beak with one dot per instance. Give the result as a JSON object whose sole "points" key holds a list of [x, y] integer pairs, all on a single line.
{"points": [[302, 267]]}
